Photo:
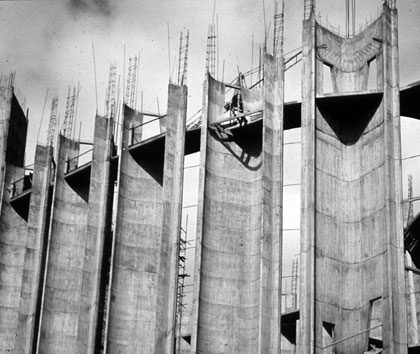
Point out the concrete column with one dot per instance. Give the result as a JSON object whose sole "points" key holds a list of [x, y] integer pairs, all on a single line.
{"points": [[272, 186], [173, 176], [394, 303], [200, 214], [143, 279], [98, 240], [307, 244], [64, 274], [35, 253]]}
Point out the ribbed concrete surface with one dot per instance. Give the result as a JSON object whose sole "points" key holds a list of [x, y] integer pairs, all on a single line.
{"points": [[239, 306], [35, 254], [351, 195], [64, 276], [173, 176], [350, 218], [133, 290], [143, 292]]}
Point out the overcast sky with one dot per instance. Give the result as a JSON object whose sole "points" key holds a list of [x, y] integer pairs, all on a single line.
{"points": [[49, 45]]}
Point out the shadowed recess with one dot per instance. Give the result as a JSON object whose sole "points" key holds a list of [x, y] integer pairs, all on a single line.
{"points": [[79, 181], [150, 155], [349, 115]]}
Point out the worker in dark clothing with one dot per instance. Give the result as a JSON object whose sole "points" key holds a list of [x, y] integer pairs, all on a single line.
{"points": [[235, 107]]}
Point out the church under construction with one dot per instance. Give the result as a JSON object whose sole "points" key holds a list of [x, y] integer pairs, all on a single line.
{"points": [[92, 255]]}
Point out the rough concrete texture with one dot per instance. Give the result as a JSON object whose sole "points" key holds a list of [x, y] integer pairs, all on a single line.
{"points": [[12, 254], [64, 273], [98, 240], [13, 227], [35, 253], [143, 283], [239, 303], [349, 58], [173, 175], [200, 220], [351, 197]]}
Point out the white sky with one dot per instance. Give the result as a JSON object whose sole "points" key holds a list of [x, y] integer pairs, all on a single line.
{"points": [[49, 45]]}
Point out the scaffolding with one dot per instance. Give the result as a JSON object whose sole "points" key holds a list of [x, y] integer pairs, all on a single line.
{"points": [[182, 274], [211, 51], [295, 269], [52, 122], [278, 32], [110, 100], [131, 88], [410, 213], [183, 58], [69, 115]]}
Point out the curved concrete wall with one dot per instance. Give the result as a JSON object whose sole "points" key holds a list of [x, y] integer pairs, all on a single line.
{"points": [[64, 273], [238, 304], [133, 291], [145, 260]]}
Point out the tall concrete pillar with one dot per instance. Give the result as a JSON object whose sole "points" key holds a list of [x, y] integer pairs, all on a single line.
{"points": [[352, 243], [35, 253], [98, 240], [64, 274], [394, 306], [13, 223], [200, 213], [239, 253], [143, 291]]}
